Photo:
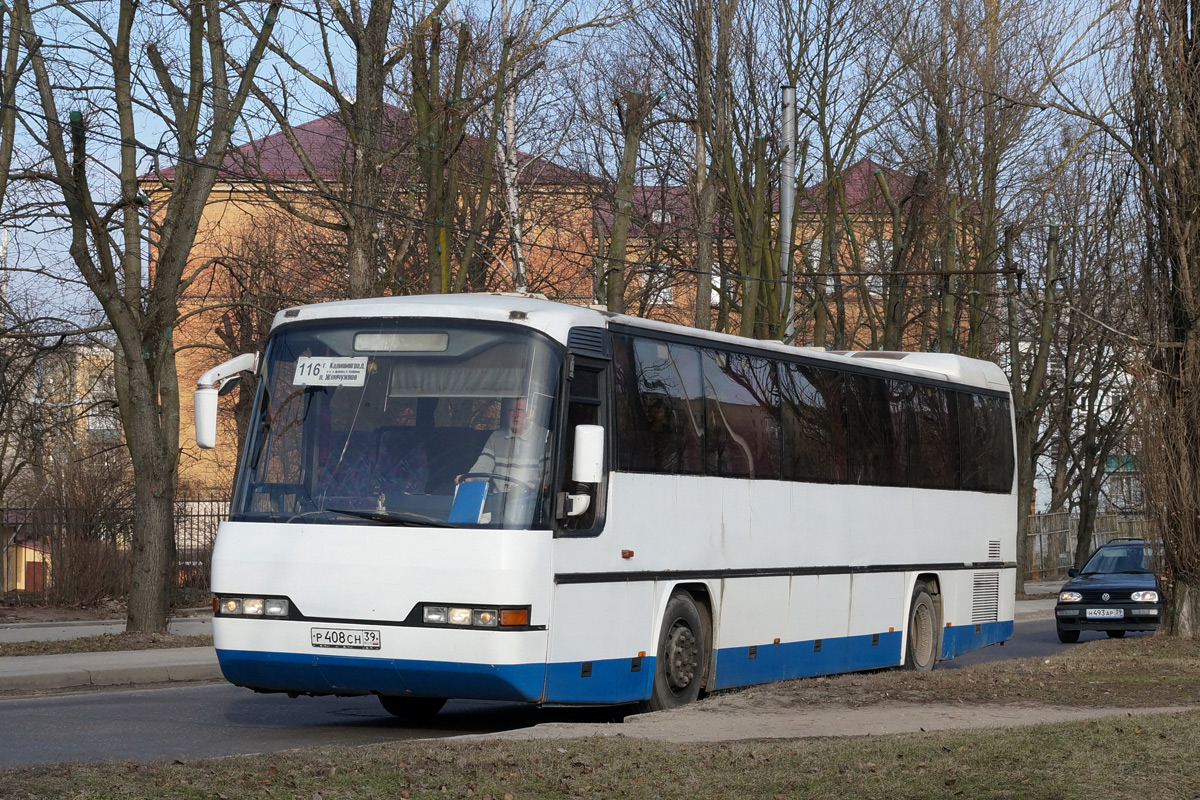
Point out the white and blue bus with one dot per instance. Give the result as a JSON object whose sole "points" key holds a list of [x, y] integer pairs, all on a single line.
{"points": [[696, 511]]}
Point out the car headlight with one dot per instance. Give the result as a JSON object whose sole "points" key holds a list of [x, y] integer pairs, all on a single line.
{"points": [[1147, 596], [1069, 597]]}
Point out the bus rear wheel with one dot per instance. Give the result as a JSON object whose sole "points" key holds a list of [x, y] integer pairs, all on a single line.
{"points": [[921, 652], [411, 707], [681, 666]]}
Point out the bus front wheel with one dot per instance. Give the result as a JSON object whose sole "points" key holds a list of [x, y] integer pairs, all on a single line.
{"points": [[411, 707], [921, 652], [681, 665]]}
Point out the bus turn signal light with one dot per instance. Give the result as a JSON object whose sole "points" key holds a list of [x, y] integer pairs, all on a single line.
{"points": [[513, 617]]}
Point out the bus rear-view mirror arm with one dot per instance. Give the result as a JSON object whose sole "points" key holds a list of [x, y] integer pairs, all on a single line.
{"points": [[217, 381], [587, 467]]}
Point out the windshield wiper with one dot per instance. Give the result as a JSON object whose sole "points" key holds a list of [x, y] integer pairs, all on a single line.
{"points": [[390, 517]]}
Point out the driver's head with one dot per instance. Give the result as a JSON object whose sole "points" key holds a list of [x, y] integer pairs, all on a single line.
{"points": [[515, 415]]}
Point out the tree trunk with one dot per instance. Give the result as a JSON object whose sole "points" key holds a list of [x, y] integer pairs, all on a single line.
{"points": [[1182, 610], [1026, 434], [635, 110]]}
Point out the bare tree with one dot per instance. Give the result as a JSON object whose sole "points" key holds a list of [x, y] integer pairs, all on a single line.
{"points": [[1164, 137], [1093, 348], [169, 77]]}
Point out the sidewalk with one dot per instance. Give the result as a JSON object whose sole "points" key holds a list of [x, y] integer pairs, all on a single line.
{"points": [[81, 670], [122, 667], [127, 667]]}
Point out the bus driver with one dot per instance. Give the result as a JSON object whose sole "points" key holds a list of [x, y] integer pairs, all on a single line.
{"points": [[514, 456]]}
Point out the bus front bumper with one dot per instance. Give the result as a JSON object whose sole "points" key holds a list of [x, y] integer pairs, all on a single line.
{"points": [[279, 656], [321, 674]]}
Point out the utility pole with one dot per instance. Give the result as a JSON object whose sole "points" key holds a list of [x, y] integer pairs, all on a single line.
{"points": [[787, 207]]}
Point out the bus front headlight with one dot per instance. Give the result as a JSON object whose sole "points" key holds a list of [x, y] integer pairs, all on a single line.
{"points": [[231, 605]]}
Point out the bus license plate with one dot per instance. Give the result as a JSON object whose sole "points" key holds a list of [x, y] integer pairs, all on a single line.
{"points": [[351, 638], [1106, 613]]}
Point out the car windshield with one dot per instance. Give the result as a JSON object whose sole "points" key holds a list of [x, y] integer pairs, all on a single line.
{"points": [[1133, 557], [402, 422]]}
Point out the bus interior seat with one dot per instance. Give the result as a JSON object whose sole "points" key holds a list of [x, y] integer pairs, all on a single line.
{"points": [[350, 467], [402, 465], [452, 451]]}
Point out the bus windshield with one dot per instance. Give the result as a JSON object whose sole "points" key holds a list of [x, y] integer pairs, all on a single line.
{"points": [[402, 422]]}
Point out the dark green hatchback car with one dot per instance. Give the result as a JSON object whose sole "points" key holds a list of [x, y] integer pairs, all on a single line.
{"points": [[1115, 592]]}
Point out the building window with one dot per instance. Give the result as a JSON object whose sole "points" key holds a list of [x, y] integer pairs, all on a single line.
{"points": [[876, 258]]}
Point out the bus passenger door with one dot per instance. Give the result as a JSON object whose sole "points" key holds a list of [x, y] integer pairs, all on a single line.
{"points": [[591, 648], [586, 405]]}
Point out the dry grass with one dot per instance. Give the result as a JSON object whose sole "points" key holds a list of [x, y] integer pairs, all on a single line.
{"points": [[1151, 757], [1145, 671]]}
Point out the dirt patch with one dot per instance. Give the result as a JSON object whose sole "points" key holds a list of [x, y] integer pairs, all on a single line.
{"points": [[104, 643], [14, 611]]}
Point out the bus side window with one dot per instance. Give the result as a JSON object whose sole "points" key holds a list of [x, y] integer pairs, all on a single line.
{"points": [[660, 407], [869, 428], [741, 414], [985, 437], [813, 424]]}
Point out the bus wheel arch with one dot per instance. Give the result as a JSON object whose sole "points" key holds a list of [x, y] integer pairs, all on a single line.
{"points": [[923, 631], [683, 655]]}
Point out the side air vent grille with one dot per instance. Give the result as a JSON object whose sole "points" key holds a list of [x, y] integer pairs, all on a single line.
{"points": [[588, 342], [994, 550], [985, 604]]}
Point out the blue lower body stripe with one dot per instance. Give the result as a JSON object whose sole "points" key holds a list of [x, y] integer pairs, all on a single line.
{"points": [[739, 666], [329, 674], [960, 639], [616, 680]]}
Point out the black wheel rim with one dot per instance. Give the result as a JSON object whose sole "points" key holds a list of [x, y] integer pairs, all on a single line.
{"points": [[682, 656]]}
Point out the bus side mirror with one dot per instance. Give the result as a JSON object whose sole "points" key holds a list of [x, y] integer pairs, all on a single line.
{"points": [[217, 381], [588, 464]]}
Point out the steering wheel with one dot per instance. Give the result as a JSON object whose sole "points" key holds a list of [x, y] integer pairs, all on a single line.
{"points": [[505, 480]]}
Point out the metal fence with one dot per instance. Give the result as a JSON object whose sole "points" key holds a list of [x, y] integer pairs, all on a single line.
{"points": [[1054, 539], [78, 556]]}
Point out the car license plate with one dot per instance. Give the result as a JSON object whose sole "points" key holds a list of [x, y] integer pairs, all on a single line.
{"points": [[1105, 613], [351, 638]]}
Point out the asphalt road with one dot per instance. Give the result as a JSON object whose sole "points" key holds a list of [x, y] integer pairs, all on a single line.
{"points": [[215, 720], [219, 720]]}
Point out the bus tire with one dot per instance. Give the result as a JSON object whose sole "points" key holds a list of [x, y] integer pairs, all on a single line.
{"points": [[681, 665], [411, 707], [921, 650]]}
